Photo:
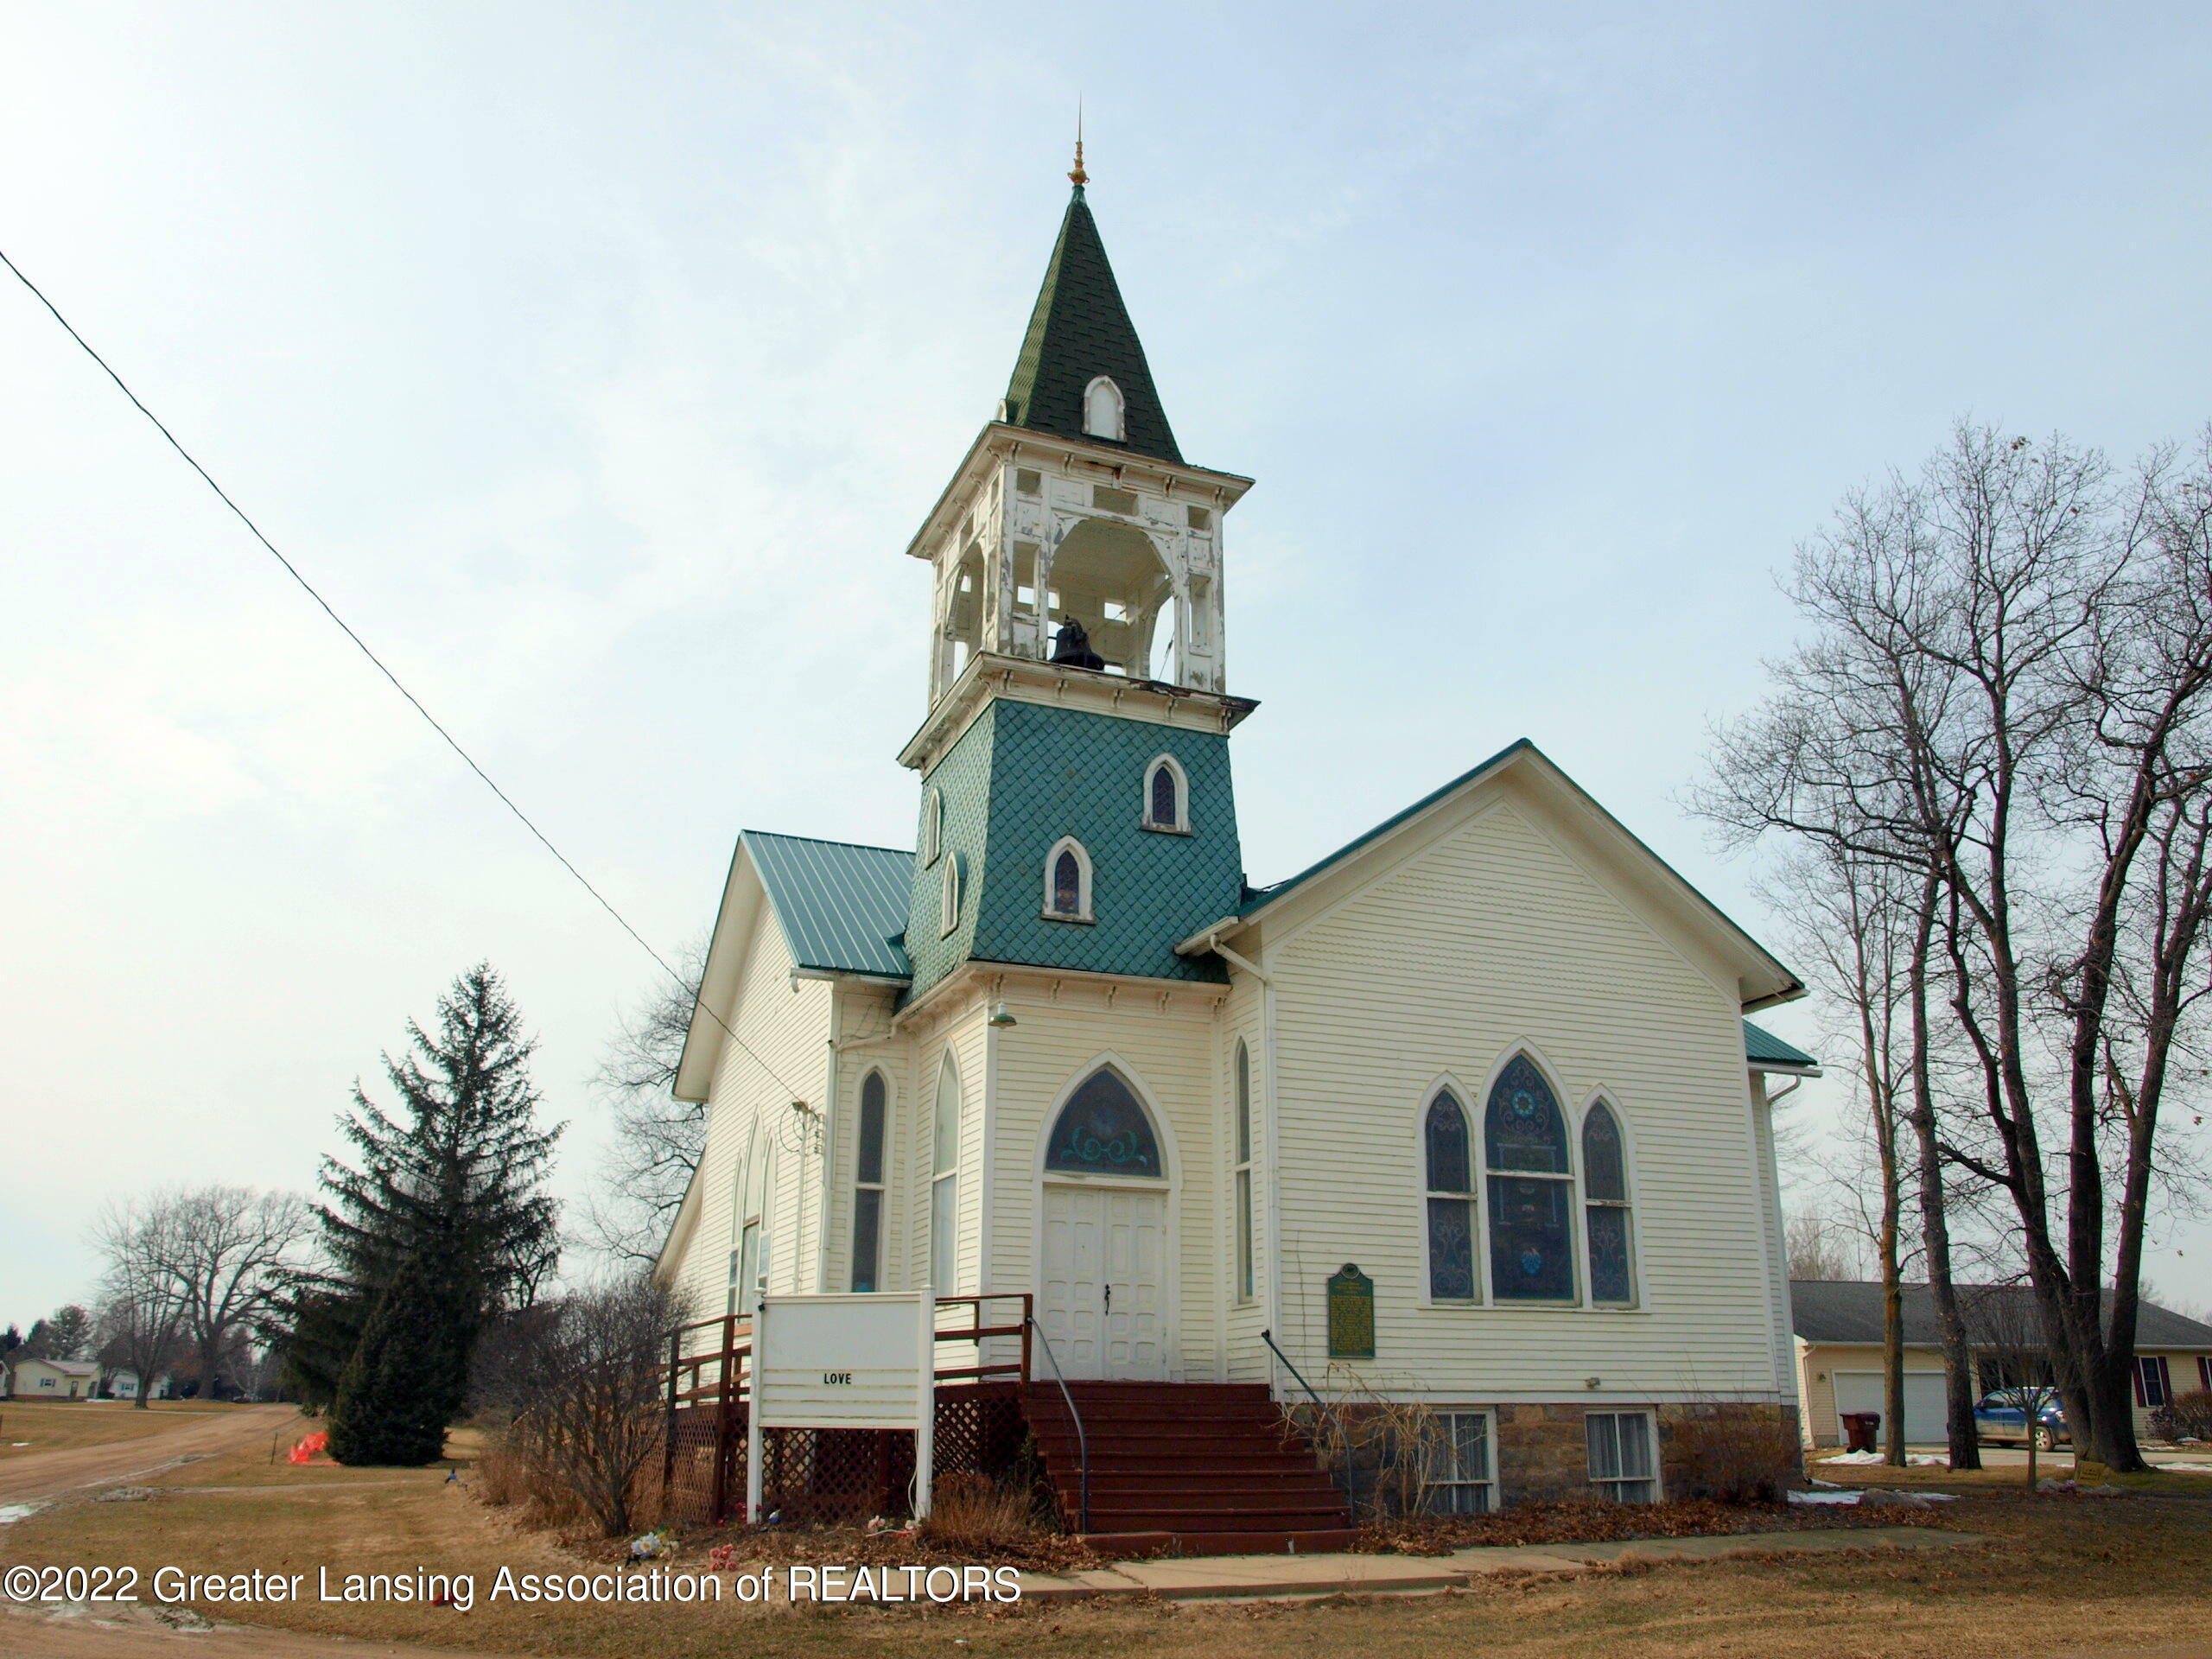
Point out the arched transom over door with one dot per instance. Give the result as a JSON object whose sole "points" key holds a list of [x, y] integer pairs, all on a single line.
{"points": [[1103, 1290]]}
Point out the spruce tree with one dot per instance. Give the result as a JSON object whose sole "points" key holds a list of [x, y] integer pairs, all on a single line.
{"points": [[410, 1368], [453, 1177]]}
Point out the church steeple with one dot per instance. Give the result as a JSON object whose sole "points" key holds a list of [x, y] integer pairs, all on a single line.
{"points": [[1082, 372]]}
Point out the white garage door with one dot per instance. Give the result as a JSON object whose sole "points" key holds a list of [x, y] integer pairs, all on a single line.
{"points": [[1924, 1401]]}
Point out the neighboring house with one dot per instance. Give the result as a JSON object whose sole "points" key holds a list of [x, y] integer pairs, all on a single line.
{"points": [[1483, 1073], [1839, 1329], [55, 1379], [122, 1383]]}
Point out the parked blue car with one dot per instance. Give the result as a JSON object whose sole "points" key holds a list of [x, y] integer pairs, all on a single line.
{"points": [[2003, 1416]]}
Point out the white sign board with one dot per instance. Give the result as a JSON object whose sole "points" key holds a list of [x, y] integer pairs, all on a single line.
{"points": [[839, 1362], [865, 1360]]}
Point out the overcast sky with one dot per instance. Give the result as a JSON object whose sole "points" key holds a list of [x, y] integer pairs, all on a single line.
{"points": [[598, 362]]}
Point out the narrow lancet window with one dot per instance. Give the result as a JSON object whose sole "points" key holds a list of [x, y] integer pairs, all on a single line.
{"points": [[1605, 1207], [1451, 1183]]}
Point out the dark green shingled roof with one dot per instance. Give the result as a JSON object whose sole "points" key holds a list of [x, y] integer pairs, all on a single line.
{"points": [[1760, 1044], [843, 908], [1079, 331]]}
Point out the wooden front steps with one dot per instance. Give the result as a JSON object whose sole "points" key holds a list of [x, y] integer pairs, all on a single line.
{"points": [[1200, 1468]]}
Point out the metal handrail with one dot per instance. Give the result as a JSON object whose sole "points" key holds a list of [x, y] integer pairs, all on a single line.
{"points": [[1320, 1405], [1082, 1440]]}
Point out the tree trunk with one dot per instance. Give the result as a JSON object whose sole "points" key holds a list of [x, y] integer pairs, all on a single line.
{"points": [[1959, 1429]]}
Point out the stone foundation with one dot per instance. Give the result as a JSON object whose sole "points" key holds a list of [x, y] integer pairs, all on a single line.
{"points": [[1542, 1454]]}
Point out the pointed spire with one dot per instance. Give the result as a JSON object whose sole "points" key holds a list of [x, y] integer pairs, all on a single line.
{"points": [[1079, 330], [1078, 177]]}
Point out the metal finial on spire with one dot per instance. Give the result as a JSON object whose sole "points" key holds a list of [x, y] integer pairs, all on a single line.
{"points": [[1078, 177]]}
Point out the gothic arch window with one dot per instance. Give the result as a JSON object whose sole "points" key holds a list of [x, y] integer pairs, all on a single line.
{"points": [[1067, 882], [868, 1182], [1104, 1130], [944, 1177], [1447, 1153], [1243, 1163], [1606, 1230], [932, 824], [1531, 1188], [950, 895], [1166, 795], [1103, 411]]}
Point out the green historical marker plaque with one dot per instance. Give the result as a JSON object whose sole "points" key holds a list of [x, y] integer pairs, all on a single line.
{"points": [[1351, 1314]]}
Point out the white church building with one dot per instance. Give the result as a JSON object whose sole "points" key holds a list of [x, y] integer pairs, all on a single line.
{"points": [[1468, 1113]]}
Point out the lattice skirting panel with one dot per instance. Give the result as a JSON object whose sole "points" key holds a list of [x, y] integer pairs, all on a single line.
{"points": [[813, 1477]]}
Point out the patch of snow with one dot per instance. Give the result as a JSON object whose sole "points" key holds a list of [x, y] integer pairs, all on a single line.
{"points": [[2187, 1462], [14, 1512], [1924, 1460], [1832, 1495]]}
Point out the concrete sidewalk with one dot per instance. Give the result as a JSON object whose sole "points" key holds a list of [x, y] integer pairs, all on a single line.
{"points": [[1260, 1576]]}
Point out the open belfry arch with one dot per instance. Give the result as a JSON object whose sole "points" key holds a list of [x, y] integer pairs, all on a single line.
{"points": [[1075, 504], [1153, 1141]]}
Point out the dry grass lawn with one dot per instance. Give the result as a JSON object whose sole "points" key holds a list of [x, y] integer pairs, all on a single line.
{"points": [[2059, 1573], [65, 1425]]}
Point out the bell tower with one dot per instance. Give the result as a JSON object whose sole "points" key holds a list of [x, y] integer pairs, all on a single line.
{"points": [[1076, 505], [1076, 650]]}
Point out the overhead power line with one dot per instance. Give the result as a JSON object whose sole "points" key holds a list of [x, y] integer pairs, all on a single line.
{"points": [[397, 684]]}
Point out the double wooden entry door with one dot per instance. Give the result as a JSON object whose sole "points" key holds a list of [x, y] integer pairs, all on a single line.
{"points": [[1103, 1298]]}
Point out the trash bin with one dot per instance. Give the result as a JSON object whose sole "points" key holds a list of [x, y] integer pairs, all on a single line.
{"points": [[1859, 1429]]}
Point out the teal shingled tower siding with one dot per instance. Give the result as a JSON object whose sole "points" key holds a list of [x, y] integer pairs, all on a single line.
{"points": [[1080, 330], [1024, 775]]}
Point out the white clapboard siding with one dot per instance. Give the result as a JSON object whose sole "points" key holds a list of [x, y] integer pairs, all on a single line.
{"points": [[1490, 937], [1169, 1055], [1243, 1358], [864, 1012], [785, 1023]]}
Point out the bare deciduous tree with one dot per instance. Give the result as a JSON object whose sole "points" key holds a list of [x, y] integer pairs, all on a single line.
{"points": [[578, 1383], [230, 1250], [2008, 698], [659, 1139], [140, 1319], [1821, 1245]]}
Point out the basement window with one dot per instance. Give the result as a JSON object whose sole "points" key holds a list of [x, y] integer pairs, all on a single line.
{"points": [[1458, 1480], [1621, 1464]]}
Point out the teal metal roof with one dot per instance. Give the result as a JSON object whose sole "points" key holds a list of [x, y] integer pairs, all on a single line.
{"points": [[1760, 1044], [843, 908]]}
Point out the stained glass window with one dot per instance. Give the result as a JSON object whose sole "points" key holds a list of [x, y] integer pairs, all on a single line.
{"points": [[1451, 1201], [1449, 1167], [867, 1177], [1103, 1130], [1603, 1173], [1164, 810], [1067, 884], [871, 1142], [1610, 1279], [1451, 1250], [1531, 1244], [1606, 1212], [1524, 1129]]}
